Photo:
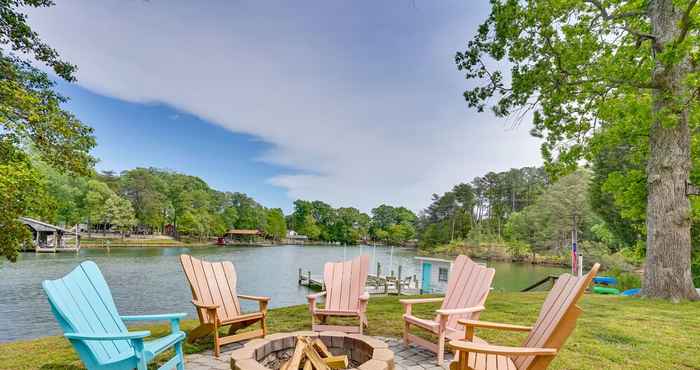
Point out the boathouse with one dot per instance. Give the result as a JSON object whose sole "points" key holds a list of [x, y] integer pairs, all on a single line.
{"points": [[51, 238], [242, 236], [434, 273]]}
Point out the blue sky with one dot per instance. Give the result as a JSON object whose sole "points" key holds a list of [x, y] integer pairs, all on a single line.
{"points": [[133, 135], [354, 103]]}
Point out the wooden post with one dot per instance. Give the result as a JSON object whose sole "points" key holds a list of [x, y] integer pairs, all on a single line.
{"points": [[77, 238], [379, 270], [299, 279], [398, 282], [308, 282]]}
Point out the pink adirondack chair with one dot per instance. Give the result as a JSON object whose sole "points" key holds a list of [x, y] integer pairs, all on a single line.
{"points": [[345, 295], [555, 323], [467, 288]]}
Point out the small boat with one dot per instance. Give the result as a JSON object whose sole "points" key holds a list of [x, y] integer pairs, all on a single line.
{"points": [[605, 290], [631, 292], [605, 280]]}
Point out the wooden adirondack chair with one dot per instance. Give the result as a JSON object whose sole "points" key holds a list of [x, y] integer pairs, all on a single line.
{"points": [[345, 295], [83, 305], [467, 288], [555, 323], [214, 295]]}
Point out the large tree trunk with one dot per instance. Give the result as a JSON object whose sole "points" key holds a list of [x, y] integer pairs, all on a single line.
{"points": [[667, 270]]}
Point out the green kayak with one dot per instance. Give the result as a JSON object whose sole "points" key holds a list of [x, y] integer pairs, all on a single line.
{"points": [[605, 290]]}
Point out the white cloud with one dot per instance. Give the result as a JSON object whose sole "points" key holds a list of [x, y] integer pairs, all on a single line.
{"points": [[363, 105]]}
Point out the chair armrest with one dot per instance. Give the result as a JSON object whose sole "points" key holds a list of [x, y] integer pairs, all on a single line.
{"points": [[174, 319], [420, 300], [262, 301], [459, 311], [500, 350], [200, 304], [311, 298], [315, 296], [116, 336], [408, 303], [364, 296], [492, 325], [161, 317], [253, 298]]}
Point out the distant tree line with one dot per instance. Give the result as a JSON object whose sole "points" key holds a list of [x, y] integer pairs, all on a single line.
{"points": [[482, 206], [148, 199], [348, 225]]}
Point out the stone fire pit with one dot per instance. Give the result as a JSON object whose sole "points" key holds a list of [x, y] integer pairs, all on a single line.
{"points": [[364, 352]]}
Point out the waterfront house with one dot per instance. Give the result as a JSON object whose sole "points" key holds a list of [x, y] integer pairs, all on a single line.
{"points": [[295, 238]]}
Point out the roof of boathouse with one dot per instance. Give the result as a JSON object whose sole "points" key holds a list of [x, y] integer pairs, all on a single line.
{"points": [[43, 226], [243, 232], [432, 259]]}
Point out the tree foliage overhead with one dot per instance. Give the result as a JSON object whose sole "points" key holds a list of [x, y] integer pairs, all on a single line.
{"points": [[31, 117], [585, 66]]}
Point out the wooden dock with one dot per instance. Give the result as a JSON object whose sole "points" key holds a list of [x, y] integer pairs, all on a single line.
{"points": [[376, 284], [551, 279]]}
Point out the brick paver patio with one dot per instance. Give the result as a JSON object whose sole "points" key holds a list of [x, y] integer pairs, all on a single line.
{"points": [[405, 357]]}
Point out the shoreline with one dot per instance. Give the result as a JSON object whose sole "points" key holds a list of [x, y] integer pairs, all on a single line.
{"points": [[187, 245], [494, 252]]}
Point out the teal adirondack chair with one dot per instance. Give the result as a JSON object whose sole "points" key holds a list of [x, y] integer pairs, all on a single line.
{"points": [[83, 306]]}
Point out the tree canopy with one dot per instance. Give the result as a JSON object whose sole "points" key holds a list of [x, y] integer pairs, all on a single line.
{"points": [[583, 67], [31, 116]]}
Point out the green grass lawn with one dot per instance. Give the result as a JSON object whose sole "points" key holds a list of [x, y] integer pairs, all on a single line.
{"points": [[613, 333]]}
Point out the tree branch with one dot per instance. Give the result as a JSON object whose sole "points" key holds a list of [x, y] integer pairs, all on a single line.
{"points": [[604, 12], [685, 21], [607, 16]]}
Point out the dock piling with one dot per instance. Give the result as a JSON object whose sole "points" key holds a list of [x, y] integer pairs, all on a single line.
{"points": [[399, 282]]}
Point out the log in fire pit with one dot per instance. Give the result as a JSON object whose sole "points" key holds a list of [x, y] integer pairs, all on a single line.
{"points": [[313, 351]]}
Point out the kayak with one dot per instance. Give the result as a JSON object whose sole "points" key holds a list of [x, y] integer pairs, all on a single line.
{"points": [[607, 280], [605, 290], [631, 292]]}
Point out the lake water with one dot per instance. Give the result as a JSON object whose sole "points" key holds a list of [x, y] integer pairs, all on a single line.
{"points": [[150, 280]]}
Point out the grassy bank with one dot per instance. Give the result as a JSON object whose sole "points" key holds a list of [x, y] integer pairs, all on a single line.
{"points": [[613, 333]]}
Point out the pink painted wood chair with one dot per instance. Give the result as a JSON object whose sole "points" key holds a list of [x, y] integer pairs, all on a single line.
{"points": [[467, 288], [345, 295], [554, 325]]}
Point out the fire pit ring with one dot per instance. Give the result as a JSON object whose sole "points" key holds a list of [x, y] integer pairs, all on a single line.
{"points": [[364, 352]]}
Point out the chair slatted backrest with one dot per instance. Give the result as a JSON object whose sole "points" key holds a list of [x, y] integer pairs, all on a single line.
{"points": [[83, 304], [468, 286], [557, 318], [345, 283], [212, 283]]}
